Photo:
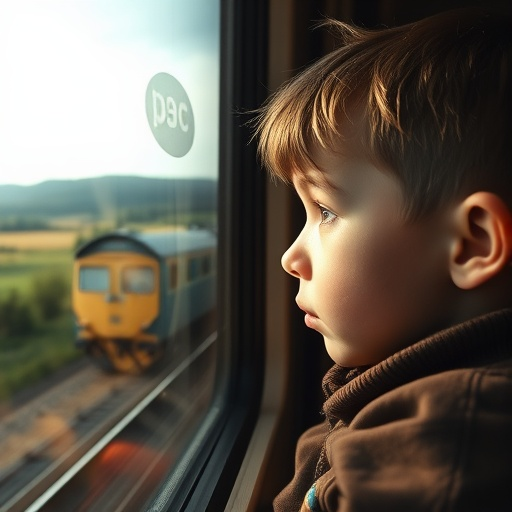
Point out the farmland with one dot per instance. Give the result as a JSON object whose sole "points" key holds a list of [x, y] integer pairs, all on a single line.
{"points": [[45, 240], [26, 254]]}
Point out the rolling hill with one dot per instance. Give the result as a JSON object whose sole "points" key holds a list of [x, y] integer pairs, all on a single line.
{"points": [[94, 196]]}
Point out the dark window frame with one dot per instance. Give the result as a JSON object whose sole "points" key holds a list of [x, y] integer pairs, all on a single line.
{"points": [[216, 454]]}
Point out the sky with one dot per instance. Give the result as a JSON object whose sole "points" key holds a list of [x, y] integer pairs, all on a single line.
{"points": [[73, 82]]}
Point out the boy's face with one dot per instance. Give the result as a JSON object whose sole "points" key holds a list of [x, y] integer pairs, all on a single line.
{"points": [[370, 282]]}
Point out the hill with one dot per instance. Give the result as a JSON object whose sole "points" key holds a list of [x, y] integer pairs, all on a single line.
{"points": [[95, 196]]}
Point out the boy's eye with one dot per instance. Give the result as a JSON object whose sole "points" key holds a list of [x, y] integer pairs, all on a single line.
{"points": [[325, 214]]}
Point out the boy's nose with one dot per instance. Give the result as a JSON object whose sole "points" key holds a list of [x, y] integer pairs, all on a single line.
{"points": [[296, 262]]}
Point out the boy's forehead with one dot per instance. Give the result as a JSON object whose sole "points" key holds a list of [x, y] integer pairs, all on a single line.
{"points": [[327, 167], [312, 177]]}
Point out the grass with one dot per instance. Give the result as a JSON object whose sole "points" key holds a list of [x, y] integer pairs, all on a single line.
{"points": [[18, 269]]}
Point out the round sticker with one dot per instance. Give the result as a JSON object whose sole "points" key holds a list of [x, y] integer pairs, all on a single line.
{"points": [[170, 114]]}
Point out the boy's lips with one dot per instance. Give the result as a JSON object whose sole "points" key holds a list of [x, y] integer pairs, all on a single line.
{"points": [[310, 318]]}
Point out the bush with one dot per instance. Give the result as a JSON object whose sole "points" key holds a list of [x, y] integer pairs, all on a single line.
{"points": [[16, 318], [50, 294]]}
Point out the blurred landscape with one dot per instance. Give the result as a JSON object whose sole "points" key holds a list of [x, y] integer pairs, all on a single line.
{"points": [[40, 228], [117, 200]]}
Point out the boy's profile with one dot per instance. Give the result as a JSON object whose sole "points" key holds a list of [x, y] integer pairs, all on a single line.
{"points": [[399, 145]]}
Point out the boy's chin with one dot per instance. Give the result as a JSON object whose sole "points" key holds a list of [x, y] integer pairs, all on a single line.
{"points": [[342, 355]]}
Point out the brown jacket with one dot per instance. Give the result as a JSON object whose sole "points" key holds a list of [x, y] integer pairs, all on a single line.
{"points": [[428, 429]]}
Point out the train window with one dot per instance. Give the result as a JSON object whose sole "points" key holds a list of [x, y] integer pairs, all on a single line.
{"points": [[137, 279], [109, 400], [206, 265], [116, 180], [173, 275], [193, 269], [94, 279]]}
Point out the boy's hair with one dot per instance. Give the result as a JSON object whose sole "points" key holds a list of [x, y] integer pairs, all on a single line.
{"points": [[435, 101]]}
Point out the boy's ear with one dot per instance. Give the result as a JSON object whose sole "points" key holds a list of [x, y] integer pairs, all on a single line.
{"points": [[483, 244]]}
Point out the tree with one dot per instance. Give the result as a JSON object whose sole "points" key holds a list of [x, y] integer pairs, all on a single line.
{"points": [[16, 318], [50, 293]]}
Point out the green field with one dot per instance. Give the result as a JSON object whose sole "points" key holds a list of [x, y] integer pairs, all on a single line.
{"points": [[18, 269]]}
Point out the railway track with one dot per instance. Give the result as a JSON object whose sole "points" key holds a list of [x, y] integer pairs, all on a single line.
{"points": [[26, 430], [50, 438]]}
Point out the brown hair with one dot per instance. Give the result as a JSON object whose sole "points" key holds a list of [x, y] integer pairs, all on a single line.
{"points": [[435, 99]]}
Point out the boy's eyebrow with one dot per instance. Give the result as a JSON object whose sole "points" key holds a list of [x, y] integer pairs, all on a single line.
{"points": [[319, 180]]}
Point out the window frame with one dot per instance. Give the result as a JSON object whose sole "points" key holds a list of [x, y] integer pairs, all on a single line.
{"points": [[204, 476]]}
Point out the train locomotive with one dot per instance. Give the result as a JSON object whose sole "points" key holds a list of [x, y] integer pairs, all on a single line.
{"points": [[133, 291]]}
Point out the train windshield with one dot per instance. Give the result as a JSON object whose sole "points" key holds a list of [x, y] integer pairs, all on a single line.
{"points": [[94, 279], [137, 280]]}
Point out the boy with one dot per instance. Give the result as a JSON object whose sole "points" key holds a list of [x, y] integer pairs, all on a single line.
{"points": [[399, 145]]}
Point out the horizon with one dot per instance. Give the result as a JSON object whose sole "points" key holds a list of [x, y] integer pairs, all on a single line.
{"points": [[103, 176]]}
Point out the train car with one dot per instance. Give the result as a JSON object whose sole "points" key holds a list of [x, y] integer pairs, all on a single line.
{"points": [[133, 291]]}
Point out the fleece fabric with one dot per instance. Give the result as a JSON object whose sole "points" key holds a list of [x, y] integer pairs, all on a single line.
{"points": [[428, 429]]}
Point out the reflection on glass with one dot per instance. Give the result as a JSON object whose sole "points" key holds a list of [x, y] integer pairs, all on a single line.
{"points": [[108, 220], [138, 280]]}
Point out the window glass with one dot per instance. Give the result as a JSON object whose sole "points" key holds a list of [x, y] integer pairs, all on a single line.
{"points": [[173, 275], [94, 279], [194, 266], [138, 280], [206, 265], [109, 114]]}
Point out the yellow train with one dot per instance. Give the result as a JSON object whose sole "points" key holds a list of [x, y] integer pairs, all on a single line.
{"points": [[132, 292]]}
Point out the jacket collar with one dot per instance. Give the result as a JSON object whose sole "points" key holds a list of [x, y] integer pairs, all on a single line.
{"points": [[479, 341]]}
